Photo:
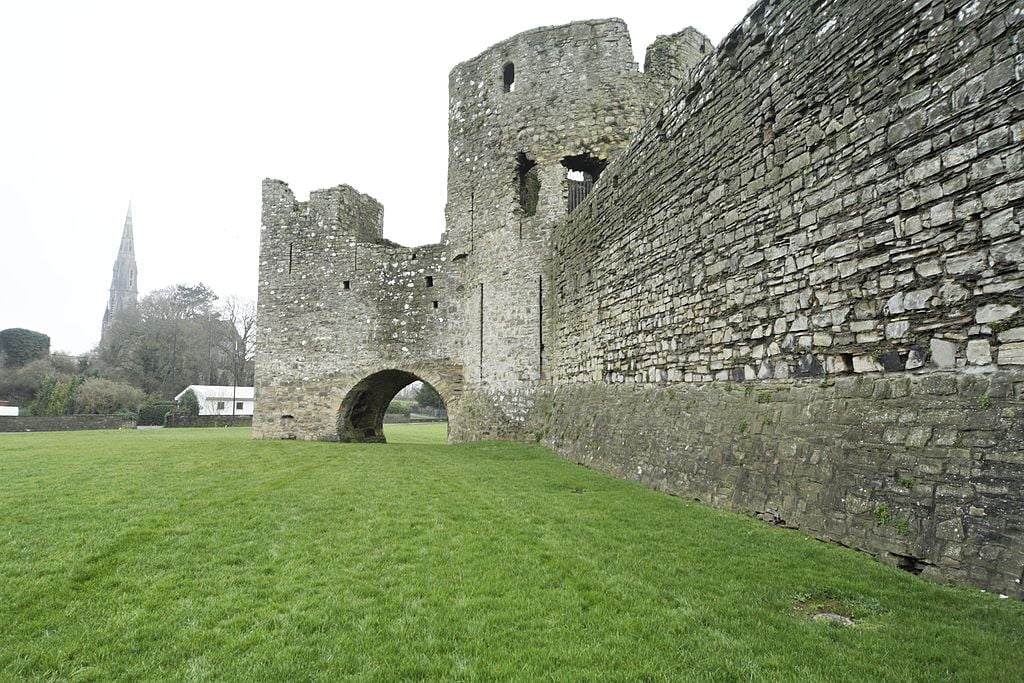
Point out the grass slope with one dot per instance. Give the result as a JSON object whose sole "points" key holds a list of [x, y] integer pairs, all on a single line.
{"points": [[200, 554]]}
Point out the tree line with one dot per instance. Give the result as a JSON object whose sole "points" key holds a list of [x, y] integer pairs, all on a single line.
{"points": [[178, 336]]}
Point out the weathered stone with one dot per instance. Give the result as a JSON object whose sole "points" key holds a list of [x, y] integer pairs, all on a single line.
{"points": [[943, 353], [994, 312], [979, 352], [1011, 354]]}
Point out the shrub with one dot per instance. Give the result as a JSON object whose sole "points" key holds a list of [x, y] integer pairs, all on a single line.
{"points": [[188, 404], [98, 396], [400, 408], [55, 397], [153, 411]]}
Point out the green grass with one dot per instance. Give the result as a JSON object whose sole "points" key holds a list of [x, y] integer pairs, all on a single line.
{"points": [[204, 555]]}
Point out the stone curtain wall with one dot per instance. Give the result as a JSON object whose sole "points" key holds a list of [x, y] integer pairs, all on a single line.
{"points": [[797, 294], [840, 189], [922, 471], [64, 423]]}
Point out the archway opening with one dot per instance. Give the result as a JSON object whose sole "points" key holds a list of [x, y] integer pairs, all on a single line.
{"points": [[387, 396]]}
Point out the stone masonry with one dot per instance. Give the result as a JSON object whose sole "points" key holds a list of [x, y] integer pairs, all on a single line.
{"points": [[782, 276]]}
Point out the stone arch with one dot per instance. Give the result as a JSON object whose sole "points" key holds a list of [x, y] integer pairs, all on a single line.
{"points": [[361, 416]]}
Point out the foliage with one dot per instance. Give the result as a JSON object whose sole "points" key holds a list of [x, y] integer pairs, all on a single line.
{"points": [[56, 396], [429, 397], [98, 396], [188, 404], [20, 385], [153, 412], [19, 346], [399, 407], [201, 554], [179, 337]]}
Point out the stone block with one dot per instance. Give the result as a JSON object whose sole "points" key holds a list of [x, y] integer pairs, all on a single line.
{"points": [[1011, 354], [943, 353], [991, 313], [979, 352]]}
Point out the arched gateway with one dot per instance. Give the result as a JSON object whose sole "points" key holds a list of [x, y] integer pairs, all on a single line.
{"points": [[361, 417]]}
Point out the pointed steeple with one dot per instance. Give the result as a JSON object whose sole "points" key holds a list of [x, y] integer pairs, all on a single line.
{"points": [[124, 287], [127, 237]]}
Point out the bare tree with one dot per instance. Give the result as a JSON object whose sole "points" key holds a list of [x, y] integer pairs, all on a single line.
{"points": [[241, 314]]}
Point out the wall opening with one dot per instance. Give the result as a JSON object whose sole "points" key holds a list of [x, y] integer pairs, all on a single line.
{"points": [[388, 396], [430, 281], [528, 179], [508, 76], [582, 171], [346, 284], [289, 257], [434, 303]]}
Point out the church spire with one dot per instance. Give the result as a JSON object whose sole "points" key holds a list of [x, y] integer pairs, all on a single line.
{"points": [[124, 288]]}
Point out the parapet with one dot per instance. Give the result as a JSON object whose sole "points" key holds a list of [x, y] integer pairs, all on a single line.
{"points": [[670, 59], [340, 210]]}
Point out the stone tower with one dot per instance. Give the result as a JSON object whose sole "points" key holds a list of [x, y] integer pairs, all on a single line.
{"points": [[124, 289]]}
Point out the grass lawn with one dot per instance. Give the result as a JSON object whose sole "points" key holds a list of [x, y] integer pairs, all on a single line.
{"points": [[201, 554]]}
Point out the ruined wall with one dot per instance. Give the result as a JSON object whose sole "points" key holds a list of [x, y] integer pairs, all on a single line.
{"points": [[839, 191], [576, 93], [337, 302]]}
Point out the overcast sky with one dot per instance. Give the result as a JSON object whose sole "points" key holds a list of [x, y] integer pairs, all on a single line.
{"points": [[183, 107]]}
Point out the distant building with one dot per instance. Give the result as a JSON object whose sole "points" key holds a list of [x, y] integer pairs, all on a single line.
{"points": [[124, 284], [221, 400], [7, 410]]}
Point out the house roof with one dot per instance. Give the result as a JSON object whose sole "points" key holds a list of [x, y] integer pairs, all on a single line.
{"points": [[208, 392]]}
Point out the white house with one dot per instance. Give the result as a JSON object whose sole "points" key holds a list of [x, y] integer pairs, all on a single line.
{"points": [[7, 410], [221, 400]]}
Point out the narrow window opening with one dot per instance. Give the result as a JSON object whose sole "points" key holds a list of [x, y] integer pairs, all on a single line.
{"points": [[413, 257], [289, 257], [529, 183], [220, 405], [582, 171], [508, 75], [615, 181], [238, 405], [434, 303], [346, 284], [430, 281]]}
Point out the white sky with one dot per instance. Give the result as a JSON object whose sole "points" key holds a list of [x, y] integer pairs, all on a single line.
{"points": [[184, 107]]}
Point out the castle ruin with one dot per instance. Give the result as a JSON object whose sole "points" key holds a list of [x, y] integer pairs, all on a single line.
{"points": [[782, 276]]}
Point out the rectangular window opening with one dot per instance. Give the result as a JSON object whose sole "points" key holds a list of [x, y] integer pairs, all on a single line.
{"points": [[430, 281], [346, 285], [582, 171], [238, 405], [220, 405], [434, 304], [528, 177]]}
